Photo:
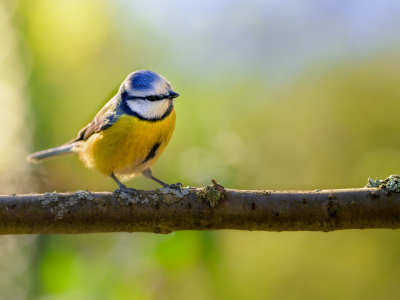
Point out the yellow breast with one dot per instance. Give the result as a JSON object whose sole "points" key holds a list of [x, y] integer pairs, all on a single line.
{"points": [[129, 146]]}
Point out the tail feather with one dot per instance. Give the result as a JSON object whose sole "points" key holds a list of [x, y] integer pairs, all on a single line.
{"points": [[40, 156]]}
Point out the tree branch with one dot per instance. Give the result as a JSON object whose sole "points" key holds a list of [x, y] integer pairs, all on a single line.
{"points": [[208, 208]]}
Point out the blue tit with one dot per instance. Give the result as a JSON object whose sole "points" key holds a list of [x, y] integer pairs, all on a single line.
{"points": [[129, 133]]}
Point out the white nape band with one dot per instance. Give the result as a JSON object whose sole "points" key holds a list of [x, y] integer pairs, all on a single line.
{"points": [[149, 109]]}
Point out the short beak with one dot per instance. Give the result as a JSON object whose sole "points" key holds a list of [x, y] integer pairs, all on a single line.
{"points": [[173, 95]]}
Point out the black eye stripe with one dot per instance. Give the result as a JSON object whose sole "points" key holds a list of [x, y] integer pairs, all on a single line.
{"points": [[149, 98]]}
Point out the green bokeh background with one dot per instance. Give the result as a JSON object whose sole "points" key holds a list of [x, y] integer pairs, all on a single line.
{"points": [[328, 121]]}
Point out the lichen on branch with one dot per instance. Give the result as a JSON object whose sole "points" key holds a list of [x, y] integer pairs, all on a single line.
{"points": [[391, 183]]}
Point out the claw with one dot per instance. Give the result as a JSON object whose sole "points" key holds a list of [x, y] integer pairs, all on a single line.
{"points": [[124, 189], [175, 186]]}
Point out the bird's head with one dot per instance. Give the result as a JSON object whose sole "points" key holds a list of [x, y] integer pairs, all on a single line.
{"points": [[148, 94]]}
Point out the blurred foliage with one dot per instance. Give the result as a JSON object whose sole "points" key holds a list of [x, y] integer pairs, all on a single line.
{"points": [[332, 124]]}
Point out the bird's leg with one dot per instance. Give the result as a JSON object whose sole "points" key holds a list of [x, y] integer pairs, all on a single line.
{"points": [[122, 187], [149, 175]]}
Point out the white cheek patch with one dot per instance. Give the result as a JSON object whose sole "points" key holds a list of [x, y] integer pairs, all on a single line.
{"points": [[149, 109]]}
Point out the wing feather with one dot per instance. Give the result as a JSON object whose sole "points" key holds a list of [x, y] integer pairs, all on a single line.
{"points": [[104, 119]]}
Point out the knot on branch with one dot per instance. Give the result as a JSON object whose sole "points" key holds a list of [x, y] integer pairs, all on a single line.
{"points": [[214, 193], [334, 212]]}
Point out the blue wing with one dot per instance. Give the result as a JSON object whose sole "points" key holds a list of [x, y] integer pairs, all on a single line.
{"points": [[104, 119]]}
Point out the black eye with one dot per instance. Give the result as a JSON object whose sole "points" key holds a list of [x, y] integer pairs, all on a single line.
{"points": [[155, 98], [149, 98]]}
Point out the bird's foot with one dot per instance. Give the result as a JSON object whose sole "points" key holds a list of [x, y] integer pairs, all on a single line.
{"points": [[174, 186], [125, 189]]}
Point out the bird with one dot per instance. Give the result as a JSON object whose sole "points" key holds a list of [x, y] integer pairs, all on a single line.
{"points": [[128, 134]]}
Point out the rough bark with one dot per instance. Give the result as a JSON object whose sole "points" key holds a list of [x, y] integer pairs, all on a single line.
{"points": [[209, 208]]}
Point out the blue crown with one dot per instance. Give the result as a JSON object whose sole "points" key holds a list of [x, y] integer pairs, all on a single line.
{"points": [[142, 79]]}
